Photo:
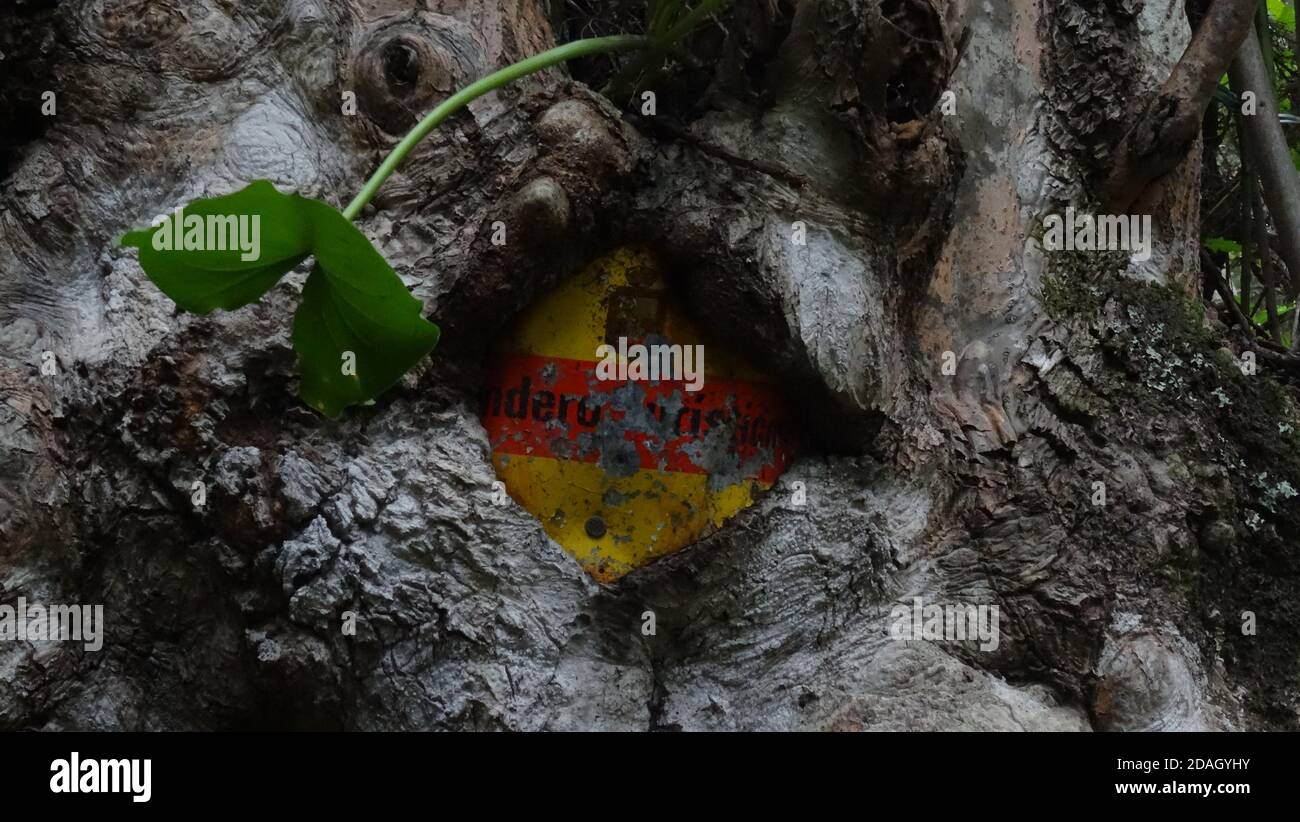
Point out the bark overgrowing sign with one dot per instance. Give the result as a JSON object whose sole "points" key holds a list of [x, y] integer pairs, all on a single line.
{"points": [[620, 427]]}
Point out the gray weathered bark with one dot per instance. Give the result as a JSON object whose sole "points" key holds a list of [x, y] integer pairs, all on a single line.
{"points": [[923, 239]]}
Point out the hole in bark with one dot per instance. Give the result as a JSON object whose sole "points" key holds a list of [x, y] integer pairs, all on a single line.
{"points": [[899, 106], [29, 62], [920, 64], [401, 68], [766, 48], [604, 400], [398, 75], [576, 19], [910, 94]]}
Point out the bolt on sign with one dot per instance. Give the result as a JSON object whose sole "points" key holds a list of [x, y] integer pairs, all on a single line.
{"points": [[625, 431]]}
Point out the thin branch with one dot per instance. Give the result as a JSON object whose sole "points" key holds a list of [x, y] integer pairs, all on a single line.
{"points": [[1245, 217], [1231, 190], [1277, 359], [1208, 266], [1266, 262], [1271, 155]]}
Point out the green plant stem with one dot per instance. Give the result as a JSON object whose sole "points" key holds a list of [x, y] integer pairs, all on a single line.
{"points": [[448, 107]]}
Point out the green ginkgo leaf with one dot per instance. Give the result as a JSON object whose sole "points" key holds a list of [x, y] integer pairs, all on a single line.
{"points": [[358, 329], [225, 252]]}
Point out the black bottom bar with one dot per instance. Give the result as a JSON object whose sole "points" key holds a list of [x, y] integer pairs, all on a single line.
{"points": [[336, 772]]}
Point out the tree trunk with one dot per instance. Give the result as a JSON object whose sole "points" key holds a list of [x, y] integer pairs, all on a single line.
{"points": [[1098, 467]]}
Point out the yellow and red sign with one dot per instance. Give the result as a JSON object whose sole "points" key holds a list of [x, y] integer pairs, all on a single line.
{"points": [[623, 471]]}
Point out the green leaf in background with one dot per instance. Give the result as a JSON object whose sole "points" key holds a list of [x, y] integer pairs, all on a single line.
{"points": [[1223, 245], [358, 329], [225, 252], [1282, 13]]}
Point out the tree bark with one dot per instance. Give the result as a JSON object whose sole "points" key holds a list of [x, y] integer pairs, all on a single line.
{"points": [[1075, 374]]}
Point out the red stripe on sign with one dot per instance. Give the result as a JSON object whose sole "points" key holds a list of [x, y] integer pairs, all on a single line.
{"points": [[555, 407]]}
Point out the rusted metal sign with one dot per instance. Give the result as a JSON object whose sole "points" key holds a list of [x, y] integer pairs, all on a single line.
{"points": [[621, 427]]}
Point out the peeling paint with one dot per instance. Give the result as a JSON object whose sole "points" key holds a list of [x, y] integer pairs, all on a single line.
{"points": [[621, 472]]}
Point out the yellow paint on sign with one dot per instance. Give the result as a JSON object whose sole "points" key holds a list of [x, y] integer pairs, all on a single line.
{"points": [[622, 472]]}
